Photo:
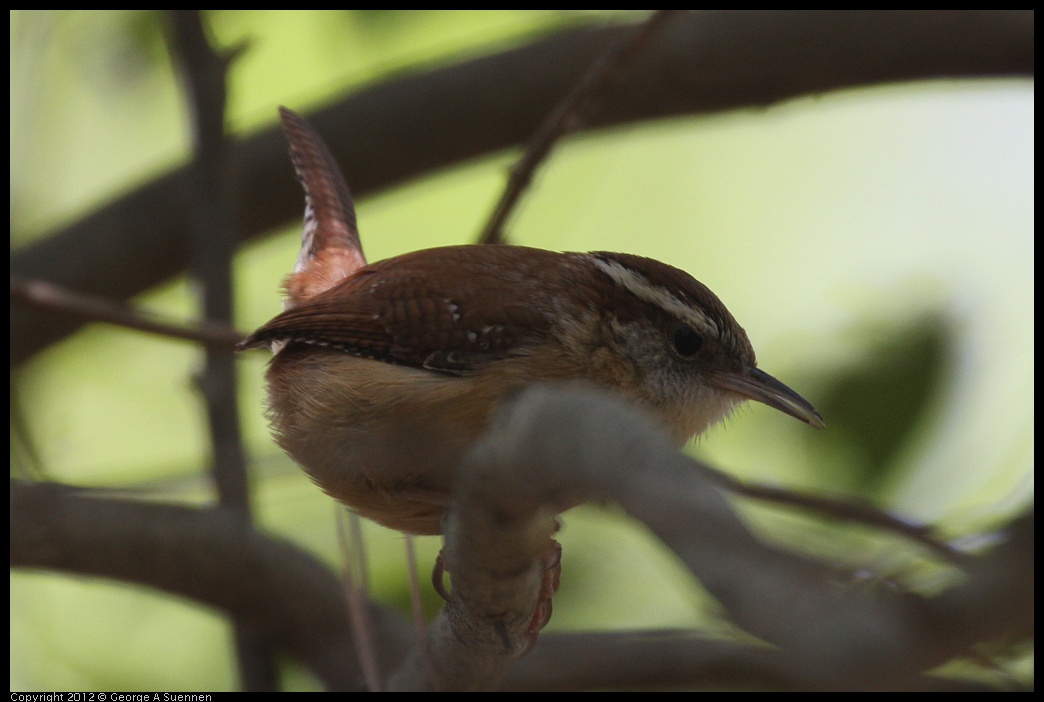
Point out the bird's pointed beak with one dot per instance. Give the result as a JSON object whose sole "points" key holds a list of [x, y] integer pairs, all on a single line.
{"points": [[755, 384]]}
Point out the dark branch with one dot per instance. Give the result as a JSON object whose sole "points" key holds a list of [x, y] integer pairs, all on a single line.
{"points": [[211, 556], [213, 245], [47, 296], [412, 125], [667, 660]]}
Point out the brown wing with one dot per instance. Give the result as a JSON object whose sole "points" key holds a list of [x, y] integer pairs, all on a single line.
{"points": [[407, 310]]}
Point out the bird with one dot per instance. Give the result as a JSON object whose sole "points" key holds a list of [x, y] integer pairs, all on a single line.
{"points": [[385, 373]]}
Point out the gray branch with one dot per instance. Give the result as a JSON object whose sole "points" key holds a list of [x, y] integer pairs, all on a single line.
{"points": [[551, 448]]}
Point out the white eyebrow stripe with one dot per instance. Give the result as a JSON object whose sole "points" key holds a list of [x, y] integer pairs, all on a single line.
{"points": [[639, 286]]}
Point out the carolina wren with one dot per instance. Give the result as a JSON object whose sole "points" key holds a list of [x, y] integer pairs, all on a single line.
{"points": [[384, 374]]}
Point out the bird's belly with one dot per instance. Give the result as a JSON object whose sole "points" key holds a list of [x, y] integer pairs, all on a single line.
{"points": [[385, 440]]}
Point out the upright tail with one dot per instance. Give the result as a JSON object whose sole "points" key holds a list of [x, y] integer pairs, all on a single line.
{"points": [[330, 246]]}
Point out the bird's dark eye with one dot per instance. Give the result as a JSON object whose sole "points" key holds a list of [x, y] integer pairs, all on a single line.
{"points": [[686, 341]]}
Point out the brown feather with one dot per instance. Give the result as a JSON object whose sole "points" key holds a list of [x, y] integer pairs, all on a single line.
{"points": [[330, 246], [406, 311]]}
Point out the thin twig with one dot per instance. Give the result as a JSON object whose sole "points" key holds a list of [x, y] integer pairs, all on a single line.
{"points": [[842, 509], [568, 116], [54, 298], [418, 609], [353, 552]]}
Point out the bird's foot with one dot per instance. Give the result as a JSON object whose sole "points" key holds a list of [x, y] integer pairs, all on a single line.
{"points": [[552, 562]]}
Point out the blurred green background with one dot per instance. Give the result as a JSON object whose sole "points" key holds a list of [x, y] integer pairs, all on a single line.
{"points": [[876, 244]]}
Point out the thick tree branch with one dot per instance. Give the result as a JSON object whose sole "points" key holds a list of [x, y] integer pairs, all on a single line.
{"points": [[214, 557], [551, 448], [498, 544], [414, 124]]}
